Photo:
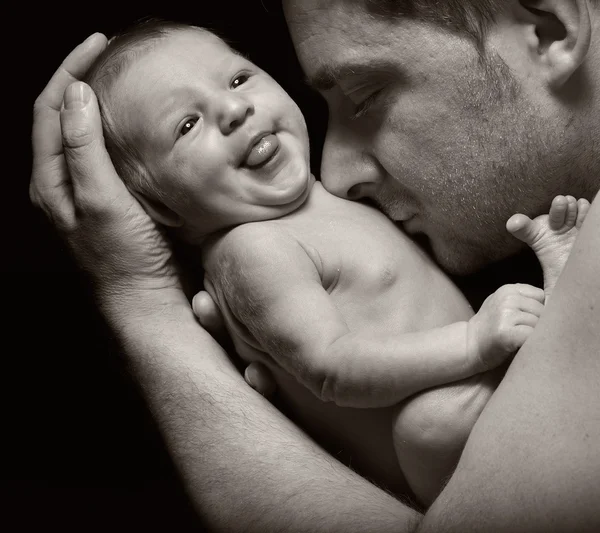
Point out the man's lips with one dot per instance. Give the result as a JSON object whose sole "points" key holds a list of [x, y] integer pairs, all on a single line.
{"points": [[410, 225], [261, 149]]}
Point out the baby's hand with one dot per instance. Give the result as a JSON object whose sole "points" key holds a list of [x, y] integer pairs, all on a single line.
{"points": [[503, 324]]}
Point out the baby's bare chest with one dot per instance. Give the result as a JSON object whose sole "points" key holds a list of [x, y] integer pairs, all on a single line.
{"points": [[374, 273]]}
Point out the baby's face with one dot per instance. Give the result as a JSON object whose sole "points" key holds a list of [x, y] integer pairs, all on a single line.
{"points": [[224, 141]]}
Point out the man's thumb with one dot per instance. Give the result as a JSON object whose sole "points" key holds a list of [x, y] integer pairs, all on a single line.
{"points": [[90, 167], [78, 117]]}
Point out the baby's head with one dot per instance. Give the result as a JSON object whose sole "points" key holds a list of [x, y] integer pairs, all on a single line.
{"points": [[204, 138]]}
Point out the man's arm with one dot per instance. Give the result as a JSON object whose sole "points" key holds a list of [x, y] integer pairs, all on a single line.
{"points": [[245, 466], [532, 462]]}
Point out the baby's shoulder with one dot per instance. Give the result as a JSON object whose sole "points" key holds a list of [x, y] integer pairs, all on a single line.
{"points": [[248, 246], [254, 239]]}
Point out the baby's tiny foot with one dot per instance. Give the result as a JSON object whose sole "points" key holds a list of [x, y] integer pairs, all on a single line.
{"points": [[551, 236]]}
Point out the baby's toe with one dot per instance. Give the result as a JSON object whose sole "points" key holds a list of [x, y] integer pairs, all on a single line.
{"points": [[571, 216], [583, 206], [558, 211], [523, 228]]}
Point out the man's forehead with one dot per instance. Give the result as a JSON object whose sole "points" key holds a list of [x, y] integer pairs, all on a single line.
{"points": [[336, 39], [304, 17]]}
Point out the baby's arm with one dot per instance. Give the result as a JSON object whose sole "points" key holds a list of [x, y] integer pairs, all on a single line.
{"points": [[270, 284]]}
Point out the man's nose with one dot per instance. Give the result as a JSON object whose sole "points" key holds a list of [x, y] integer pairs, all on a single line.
{"points": [[347, 169], [233, 111]]}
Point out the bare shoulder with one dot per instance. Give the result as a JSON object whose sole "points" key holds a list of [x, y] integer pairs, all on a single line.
{"points": [[258, 259], [248, 243]]}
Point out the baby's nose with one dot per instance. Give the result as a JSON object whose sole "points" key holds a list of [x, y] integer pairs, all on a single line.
{"points": [[234, 112]]}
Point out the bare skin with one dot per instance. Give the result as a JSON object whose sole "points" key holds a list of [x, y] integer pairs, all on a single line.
{"points": [[190, 394], [361, 269], [289, 485], [367, 267], [329, 290]]}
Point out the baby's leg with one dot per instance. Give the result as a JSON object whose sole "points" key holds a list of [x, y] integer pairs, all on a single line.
{"points": [[431, 428], [551, 236]]}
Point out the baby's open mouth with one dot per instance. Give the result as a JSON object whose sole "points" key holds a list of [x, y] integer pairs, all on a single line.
{"points": [[262, 149]]}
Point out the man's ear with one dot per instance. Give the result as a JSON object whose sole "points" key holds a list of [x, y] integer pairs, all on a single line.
{"points": [[158, 211], [563, 32]]}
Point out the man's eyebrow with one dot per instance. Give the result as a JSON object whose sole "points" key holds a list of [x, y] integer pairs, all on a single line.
{"points": [[328, 76]]}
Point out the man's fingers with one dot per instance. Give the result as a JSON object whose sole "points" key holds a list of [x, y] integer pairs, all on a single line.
{"points": [[209, 314], [50, 186], [73, 68], [46, 127], [259, 377], [93, 176]]}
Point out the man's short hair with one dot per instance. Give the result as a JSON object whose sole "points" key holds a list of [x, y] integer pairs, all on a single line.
{"points": [[466, 17]]}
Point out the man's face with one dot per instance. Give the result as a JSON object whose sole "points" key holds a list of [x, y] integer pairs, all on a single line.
{"points": [[443, 142]]}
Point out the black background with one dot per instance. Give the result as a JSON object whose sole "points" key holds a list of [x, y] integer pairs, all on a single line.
{"points": [[79, 449]]}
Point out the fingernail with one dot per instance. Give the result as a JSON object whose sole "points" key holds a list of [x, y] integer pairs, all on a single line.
{"points": [[77, 95], [250, 374], [89, 38]]}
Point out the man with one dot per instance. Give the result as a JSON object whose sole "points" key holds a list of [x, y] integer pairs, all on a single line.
{"points": [[507, 115]]}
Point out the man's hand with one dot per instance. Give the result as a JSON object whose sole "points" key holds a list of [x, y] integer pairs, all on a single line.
{"points": [[256, 374], [109, 233]]}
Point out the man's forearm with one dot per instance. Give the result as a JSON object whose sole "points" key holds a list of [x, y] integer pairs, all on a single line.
{"points": [[246, 467]]}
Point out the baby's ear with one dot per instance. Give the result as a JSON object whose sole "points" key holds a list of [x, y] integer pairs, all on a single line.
{"points": [[158, 211]]}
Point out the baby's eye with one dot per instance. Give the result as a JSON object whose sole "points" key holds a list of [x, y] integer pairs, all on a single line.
{"points": [[187, 126], [240, 79]]}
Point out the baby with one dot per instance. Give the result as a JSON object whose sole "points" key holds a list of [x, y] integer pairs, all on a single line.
{"points": [[343, 307]]}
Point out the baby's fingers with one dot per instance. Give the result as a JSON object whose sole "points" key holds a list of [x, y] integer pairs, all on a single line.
{"points": [[529, 291], [530, 305], [527, 319], [519, 335]]}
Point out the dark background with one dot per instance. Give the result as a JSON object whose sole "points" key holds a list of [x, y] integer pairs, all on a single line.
{"points": [[80, 451]]}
